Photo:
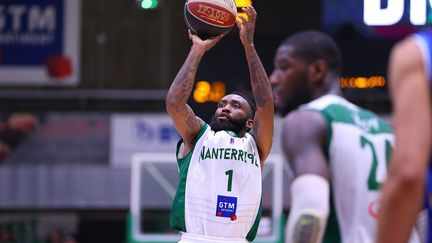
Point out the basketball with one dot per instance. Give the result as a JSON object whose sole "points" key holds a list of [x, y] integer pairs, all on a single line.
{"points": [[210, 18]]}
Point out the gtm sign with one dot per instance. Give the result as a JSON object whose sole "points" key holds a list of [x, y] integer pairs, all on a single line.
{"points": [[38, 17]]}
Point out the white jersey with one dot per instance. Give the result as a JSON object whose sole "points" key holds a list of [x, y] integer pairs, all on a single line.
{"points": [[219, 191], [359, 145]]}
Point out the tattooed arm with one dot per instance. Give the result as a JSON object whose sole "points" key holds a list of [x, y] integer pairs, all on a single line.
{"points": [[184, 119], [264, 117]]}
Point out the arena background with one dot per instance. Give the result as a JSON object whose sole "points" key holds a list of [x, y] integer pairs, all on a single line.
{"points": [[94, 75]]}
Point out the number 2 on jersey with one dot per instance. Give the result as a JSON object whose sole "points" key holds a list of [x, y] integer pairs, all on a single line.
{"points": [[229, 173], [372, 179]]}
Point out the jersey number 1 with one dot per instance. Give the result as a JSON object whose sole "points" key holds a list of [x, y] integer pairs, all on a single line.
{"points": [[372, 179], [229, 173]]}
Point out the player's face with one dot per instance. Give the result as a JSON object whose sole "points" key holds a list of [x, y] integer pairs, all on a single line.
{"points": [[233, 114], [289, 80]]}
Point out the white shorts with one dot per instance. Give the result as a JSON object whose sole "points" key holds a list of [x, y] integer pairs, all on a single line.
{"points": [[193, 238]]}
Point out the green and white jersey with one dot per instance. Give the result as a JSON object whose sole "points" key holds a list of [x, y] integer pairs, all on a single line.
{"points": [[219, 191], [358, 148]]}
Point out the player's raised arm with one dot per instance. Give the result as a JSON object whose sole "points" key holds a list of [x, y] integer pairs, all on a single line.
{"points": [[184, 119], [263, 123]]}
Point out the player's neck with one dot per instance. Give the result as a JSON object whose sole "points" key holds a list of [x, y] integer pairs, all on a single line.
{"points": [[334, 88], [241, 133]]}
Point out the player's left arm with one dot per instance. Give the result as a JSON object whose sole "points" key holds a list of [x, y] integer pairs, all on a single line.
{"points": [[303, 140], [403, 192], [263, 123]]}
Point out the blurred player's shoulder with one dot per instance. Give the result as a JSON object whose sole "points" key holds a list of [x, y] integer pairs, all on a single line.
{"points": [[407, 55]]}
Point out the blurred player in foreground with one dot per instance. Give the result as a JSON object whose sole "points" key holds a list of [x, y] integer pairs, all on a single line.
{"points": [[337, 150], [218, 198], [403, 193]]}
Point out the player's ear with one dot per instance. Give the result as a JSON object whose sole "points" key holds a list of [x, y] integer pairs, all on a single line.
{"points": [[249, 124], [317, 71]]}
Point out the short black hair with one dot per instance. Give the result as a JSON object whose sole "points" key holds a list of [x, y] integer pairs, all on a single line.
{"points": [[249, 99], [313, 45]]}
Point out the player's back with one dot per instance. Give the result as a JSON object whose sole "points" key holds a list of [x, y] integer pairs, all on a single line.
{"points": [[358, 148]]}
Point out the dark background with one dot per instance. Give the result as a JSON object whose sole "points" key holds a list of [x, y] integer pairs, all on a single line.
{"points": [[125, 47]]}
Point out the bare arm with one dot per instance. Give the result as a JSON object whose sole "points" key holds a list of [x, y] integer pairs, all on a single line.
{"points": [[263, 124], [402, 194], [184, 119], [303, 139]]}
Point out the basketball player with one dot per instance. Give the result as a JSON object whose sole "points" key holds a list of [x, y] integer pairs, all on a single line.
{"points": [[218, 198], [337, 150], [403, 194]]}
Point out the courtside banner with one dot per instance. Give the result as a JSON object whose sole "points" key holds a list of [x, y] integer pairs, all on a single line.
{"points": [[40, 42]]}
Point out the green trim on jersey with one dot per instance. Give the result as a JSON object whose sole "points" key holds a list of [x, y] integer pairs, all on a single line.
{"points": [[177, 216], [329, 134], [231, 133], [361, 118], [340, 113], [253, 231]]}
